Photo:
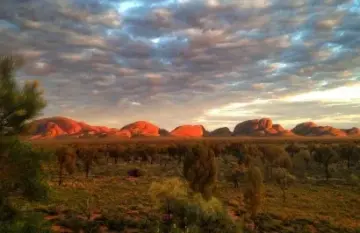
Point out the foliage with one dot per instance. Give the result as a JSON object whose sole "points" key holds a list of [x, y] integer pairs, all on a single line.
{"points": [[272, 152], [17, 105], [187, 212], [253, 190], [29, 223], [22, 172], [200, 170], [325, 155], [292, 149], [284, 161], [283, 178], [301, 162], [168, 189], [353, 179], [349, 152]]}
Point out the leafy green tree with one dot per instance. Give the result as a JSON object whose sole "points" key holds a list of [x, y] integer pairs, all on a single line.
{"points": [[274, 156], [349, 152], [301, 163], [200, 170], [292, 149], [66, 157], [21, 172], [284, 179], [189, 213], [253, 190], [325, 155], [17, 105]]}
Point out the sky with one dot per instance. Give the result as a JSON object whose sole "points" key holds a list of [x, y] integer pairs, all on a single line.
{"points": [[174, 62]]}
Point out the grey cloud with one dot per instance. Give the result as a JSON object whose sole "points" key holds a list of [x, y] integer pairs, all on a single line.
{"points": [[203, 55]]}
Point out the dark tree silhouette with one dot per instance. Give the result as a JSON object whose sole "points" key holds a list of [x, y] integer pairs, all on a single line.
{"points": [[200, 170]]}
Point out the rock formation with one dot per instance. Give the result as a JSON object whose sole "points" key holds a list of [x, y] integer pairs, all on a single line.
{"points": [[142, 128], [189, 131], [221, 132], [312, 129], [260, 127], [62, 127]]}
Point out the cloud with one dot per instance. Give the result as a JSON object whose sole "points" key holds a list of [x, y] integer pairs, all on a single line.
{"points": [[322, 107], [172, 61]]}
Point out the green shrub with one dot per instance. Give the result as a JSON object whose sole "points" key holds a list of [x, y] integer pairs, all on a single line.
{"points": [[200, 170], [185, 211], [30, 223], [22, 171]]}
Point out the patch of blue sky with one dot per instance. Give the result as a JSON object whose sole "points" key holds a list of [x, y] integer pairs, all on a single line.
{"points": [[351, 7], [6, 25]]}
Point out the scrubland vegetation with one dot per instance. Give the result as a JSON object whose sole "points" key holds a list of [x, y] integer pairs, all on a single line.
{"points": [[169, 186]]}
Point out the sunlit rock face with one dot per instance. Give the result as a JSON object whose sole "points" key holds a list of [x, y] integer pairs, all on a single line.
{"points": [[142, 128], [260, 127], [189, 131], [61, 126], [353, 131]]}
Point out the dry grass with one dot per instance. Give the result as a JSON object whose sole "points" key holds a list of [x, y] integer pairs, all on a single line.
{"points": [[116, 197]]}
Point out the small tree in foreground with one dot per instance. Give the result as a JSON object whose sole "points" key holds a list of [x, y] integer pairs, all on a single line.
{"points": [[325, 155], [17, 104], [185, 212], [21, 172], [253, 190], [201, 170]]}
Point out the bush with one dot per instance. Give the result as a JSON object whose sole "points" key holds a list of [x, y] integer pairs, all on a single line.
{"points": [[200, 170], [185, 211], [21, 174], [21, 171], [253, 190], [31, 223], [135, 172]]}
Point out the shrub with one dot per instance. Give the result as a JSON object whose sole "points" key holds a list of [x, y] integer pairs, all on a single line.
{"points": [[189, 212], [325, 155], [31, 223], [21, 171], [200, 170], [284, 179], [66, 157], [253, 190], [135, 172]]}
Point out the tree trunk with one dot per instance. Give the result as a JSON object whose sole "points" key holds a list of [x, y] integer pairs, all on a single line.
{"points": [[327, 172], [284, 195], [88, 166], [61, 171]]}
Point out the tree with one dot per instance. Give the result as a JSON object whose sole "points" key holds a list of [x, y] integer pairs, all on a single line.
{"points": [[273, 156], [17, 105], [325, 155], [253, 190], [66, 158], [200, 170], [349, 152], [283, 178], [292, 149], [20, 164], [301, 162]]}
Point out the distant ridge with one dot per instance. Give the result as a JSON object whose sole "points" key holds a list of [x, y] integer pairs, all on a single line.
{"points": [[59, 127]]}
